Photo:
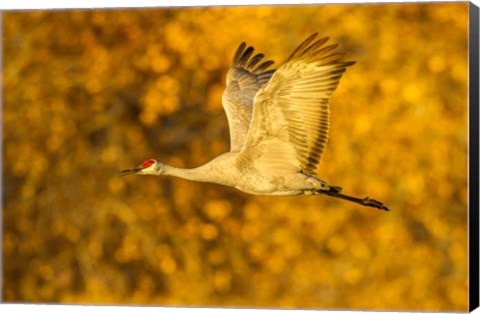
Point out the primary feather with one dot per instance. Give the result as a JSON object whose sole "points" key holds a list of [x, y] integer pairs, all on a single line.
{"points": [[244, 78]]}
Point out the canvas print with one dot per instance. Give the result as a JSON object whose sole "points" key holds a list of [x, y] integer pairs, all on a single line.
{"points": [[302, 156]]}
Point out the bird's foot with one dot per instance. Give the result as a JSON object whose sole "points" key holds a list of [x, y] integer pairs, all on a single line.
{"points": [[367, 201]]}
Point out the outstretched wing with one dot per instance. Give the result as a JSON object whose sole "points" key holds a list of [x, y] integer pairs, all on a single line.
{"points": [[244, 78], [290, 120]]}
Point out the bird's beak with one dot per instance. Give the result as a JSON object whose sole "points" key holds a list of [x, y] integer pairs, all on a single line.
{"points": [[130, 171]]}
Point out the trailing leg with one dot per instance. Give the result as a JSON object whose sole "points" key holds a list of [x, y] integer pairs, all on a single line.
{"points": [[362, 201]]}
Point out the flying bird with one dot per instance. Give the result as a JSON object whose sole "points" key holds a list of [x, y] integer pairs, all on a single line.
{"points": [[279, 124]]}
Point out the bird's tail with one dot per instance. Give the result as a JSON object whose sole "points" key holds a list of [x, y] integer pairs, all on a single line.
{"points": [[335, 189]]}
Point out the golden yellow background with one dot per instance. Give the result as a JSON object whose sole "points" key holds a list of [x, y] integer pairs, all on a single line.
{"points": [[91, 92]]}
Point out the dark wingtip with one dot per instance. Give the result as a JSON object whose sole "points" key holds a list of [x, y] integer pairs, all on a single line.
{"points": [[238, 53]]}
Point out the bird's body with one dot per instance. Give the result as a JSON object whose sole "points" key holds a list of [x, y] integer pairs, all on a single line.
{"points": [[228, 169], [278, 121]]}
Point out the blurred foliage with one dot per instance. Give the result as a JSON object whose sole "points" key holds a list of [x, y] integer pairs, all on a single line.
{"points": [[91, 92]]}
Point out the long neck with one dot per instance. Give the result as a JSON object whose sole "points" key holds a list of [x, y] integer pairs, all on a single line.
{"points": [[221, 170], [195, 174]]}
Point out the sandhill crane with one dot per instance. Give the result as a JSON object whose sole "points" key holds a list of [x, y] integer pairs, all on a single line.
{"points": [[278, 121]]}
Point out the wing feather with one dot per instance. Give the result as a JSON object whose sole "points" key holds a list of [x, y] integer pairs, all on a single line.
{"points": [[290, 120], [245, 77]]}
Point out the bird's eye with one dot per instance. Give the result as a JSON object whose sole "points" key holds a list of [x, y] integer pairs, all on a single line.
{"points": [[148, 163]]}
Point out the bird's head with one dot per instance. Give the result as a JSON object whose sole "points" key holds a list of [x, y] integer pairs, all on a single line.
{"points": [[149, 166]]}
